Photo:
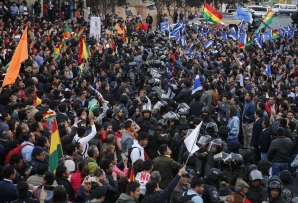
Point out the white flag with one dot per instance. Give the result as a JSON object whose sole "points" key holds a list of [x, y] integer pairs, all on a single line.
{"points": [[191, 140]]}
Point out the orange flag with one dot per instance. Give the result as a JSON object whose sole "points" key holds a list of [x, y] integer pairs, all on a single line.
{"points": [[20, 55], [132, 174]]}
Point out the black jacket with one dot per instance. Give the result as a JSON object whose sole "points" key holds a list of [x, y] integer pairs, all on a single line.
{"points": [[280, 150], [195, 108], [67, 187], [160, 197], [256, 132], [264, 141], [184, 96], [257, 194]]}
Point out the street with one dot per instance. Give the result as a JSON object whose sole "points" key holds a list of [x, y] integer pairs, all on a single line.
{"points": [[281, 20]]}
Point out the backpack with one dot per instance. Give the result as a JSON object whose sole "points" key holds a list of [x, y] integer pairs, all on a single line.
{"points": [[129, 162], [61, 161], [187, 198], [14, 151], [215, 97], [86, 161]]}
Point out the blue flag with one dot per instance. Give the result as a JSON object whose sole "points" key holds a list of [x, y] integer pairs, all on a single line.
{"points": [[174, 34], [258, 40], [184, 42], [224, 35], [164, 26], [177, 37], [267, 36], [233, 34], [197, 85], [268, 70], [242, 15], [182, 29], [282, 32], [208, 44], [177, 26], [205, 30], [189, 50], [243, 38]]}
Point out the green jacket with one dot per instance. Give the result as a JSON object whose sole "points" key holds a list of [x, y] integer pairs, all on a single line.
{"points": [[124, 198], [92, 165], [167, 168]]}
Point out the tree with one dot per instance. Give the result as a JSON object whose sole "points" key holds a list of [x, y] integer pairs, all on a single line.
{"points": [[104, 7], [175, 4], [194, 3]]}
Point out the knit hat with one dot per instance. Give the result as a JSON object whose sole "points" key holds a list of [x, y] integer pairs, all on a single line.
{"points": [[37, 151]]}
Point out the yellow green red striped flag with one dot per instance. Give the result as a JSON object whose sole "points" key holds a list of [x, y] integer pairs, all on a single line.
{"points": [[55, 148], [48, 115], [210, 14]]}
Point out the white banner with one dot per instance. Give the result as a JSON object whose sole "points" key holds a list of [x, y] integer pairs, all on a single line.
{"points": [[95, 27]]}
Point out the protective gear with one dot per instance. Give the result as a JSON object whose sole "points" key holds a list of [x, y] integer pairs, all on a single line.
{"points": [[204, 140], [217, 143], [183, 111], [274, 184], [133, 64], [162, 123], [183, 105], [214, 174], [145, 109], [264, 165], [153, 82], [237, 161], [285, 176], [205, 113], [183, 126], [255, 175], [211, 129], [205, 109], [295, 200]]}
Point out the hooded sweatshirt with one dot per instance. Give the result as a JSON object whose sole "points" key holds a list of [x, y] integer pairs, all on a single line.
{"points": [[124, 198]]}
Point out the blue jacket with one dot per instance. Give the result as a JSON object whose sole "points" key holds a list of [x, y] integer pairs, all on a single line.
{"points": [[8, 191], [249, 109], [234, 126]]}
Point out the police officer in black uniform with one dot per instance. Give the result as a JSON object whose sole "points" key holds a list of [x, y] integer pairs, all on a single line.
{"points": [[275, 190], [211, 186], [215, 147], [157, 136], [146, 121], [178, 140], [256, 193]]}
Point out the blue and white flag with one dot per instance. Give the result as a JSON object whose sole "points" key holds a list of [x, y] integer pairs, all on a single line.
{"points": [[243, 37], [208, 44], [205, 30], [242, 15], [183, 41], [197, 85], [233, 34], [258, 40], [177, 26], [289, 32], [241, 25], [189, 50], [182, 29], [282, 32], [224, 35], [174, 34], [267, 36], [178, 37], [268, 70], [164, 26]]}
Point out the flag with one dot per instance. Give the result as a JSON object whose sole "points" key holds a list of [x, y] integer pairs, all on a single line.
{"points": [[233, 34], [55, 148], [282, 32], [67, 30], [248, 41], [177, 37], [139, 26], [80, 33], [275, 34], [48, 115], [205, 30], [197, 86], [269, 18], [81, 70], [20, 55], [208, 44], [189, 51], [268, 70], [83, 50], [267, 36], [258, 40], [289, 32], [60, 46], [224, 36], [210, 14], [132, 174], [177, 26], [242, 15], [182, 29], [118, 29], [191, 140], [173, 34], [242, 40], [241, 25], [184, 42], [164, 26]]}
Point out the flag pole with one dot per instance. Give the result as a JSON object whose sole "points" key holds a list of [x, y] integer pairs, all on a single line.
{"points": [[192, 146]]}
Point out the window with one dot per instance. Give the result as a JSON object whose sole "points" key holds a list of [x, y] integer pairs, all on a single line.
{"points": [[283, 7], [291, 7], [275, 6]]}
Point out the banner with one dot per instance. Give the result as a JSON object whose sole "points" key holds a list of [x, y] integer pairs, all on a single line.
{"points": [[95, 27]]}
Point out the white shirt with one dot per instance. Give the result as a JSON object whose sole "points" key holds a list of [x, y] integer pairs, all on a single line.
{"points": [[84, 140], [135, 153], [143, 178]]}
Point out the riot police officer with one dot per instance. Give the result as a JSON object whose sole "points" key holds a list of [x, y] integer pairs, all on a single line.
{"points": [[215, 147], [211, 186], [205, 116], [146, 121], [237, 171], [256, 193], [264, 166], [157, 136], [178, 140], [202, 153], [275, 190]]}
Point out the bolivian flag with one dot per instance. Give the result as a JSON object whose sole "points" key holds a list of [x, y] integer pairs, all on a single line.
{"points": [[132, 174], [84, 54], [210, 14], [55, 148], [48, 115]]}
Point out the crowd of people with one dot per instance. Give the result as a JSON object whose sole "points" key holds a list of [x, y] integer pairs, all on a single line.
{"points": [[124, 112]]}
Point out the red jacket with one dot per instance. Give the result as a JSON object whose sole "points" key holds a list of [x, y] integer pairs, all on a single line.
{"points": [[76, 180], [268, 108], [173, 57]]}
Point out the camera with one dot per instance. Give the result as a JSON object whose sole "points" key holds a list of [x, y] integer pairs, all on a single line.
{"points": [[144, 100]]}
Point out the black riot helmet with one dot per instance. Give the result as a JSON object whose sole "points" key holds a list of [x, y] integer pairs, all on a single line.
{"points": [[237, 161], [214, 174], [255, 175], [216, 143]]}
